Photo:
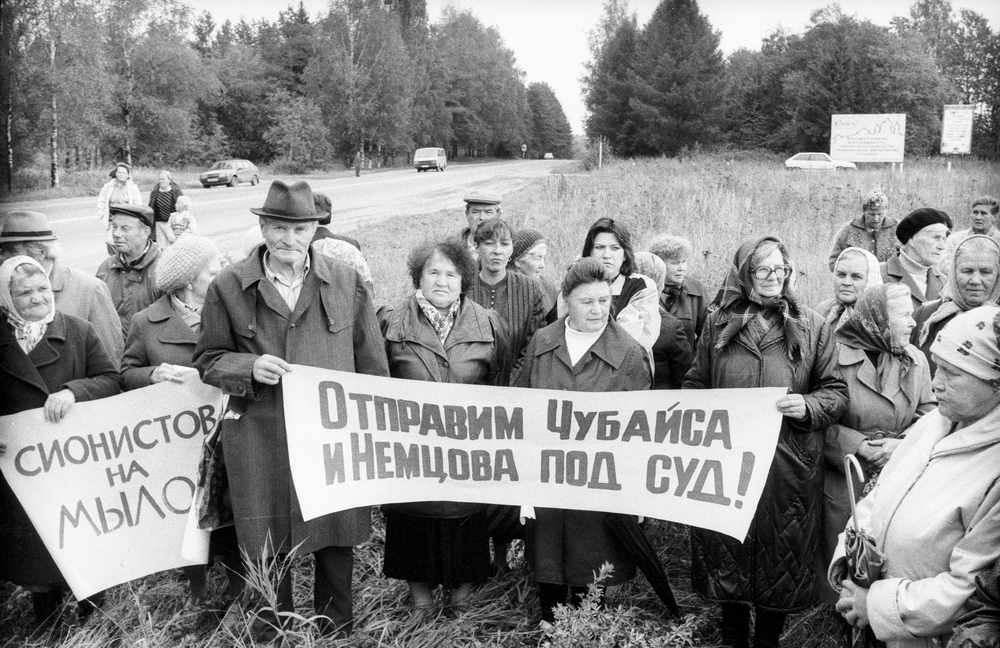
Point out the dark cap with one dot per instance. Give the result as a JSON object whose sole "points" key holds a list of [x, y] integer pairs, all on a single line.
{"points": [[141, 213], [482, 199], [289, 202], [918, 219]]}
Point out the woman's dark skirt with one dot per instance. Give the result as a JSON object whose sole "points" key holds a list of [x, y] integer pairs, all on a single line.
{"points": [[437, 551]]}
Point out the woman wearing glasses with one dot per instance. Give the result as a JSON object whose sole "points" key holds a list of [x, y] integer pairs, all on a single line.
{"points": [[758, 335]]}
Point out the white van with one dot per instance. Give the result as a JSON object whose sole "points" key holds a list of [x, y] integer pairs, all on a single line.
{"points": [[430, 158]]}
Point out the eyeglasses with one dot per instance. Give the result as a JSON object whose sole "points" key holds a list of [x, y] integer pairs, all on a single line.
{"points": [[763, 272]]}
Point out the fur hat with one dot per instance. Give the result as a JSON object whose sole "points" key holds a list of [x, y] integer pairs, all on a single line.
{"points": [[180, 263]]}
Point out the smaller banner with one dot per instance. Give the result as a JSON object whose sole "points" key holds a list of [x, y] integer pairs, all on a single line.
{"points": [[956, 129], [699, 457], [109, 487]]}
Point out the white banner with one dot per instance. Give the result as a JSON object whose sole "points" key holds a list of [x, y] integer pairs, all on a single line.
{"points": [[109, 487], [698, 457], [956, 129], [868, 138]]}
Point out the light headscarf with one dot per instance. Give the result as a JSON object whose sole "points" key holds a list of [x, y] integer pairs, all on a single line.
{"points": [[969, 342], [841, 311], [952, 300], [28, 334]]}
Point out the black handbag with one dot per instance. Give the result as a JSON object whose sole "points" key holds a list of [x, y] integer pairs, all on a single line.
{"points": [[214, 508]]}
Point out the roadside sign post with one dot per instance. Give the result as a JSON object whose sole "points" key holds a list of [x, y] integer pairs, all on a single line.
{"points": [[956, 130]]}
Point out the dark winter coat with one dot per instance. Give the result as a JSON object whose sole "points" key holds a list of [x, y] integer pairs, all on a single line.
{"points": [[893, 272], [689, 307], [920, 316], [158, 335], [672, 353], [132, 288], [568, 546], [773, 567], [69, 356], [333, 326], [471, 355], [882, 242], [979, 627]]}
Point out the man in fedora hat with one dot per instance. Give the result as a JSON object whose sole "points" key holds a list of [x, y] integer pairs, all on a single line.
{"points": [[76, 293], [128, 271], [280, 306]]}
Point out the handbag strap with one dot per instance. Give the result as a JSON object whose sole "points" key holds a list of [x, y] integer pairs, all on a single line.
{"points": [[852, 465]]}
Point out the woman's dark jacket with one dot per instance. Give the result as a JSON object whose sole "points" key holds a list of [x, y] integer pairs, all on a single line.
{"points": [[69, 356], [773, 567], [158, 334], [920, 316], [979, 626], [568, 546], [672, 353], [471, 355]]}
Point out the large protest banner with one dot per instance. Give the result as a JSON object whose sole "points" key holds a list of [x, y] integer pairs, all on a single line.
{"points": [[699, 457], [109, 487]]}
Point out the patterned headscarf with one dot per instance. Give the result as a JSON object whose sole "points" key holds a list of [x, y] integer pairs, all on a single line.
{"points": [[867, 328], [28, 334], [875, 198], [738, 299], [952, 300], [969, 342], [442, 323], [841, 311]]}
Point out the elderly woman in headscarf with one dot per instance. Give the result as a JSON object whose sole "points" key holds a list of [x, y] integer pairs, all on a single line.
{"points": [[934, 513], [49, 360], [970, 282], [889, 387], [528, 258], [758, 335], [854, 271]]}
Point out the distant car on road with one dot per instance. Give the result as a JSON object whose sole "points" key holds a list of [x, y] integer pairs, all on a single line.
{"points": [[231, 173], [816, 161], [547, 156], [430, 158]]}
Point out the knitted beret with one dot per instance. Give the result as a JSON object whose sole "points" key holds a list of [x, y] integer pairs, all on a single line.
{"points": [[918, 219], [523, 241], [180, 263]]}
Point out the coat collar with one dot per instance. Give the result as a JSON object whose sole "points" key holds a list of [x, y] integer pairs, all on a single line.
{"points": [[611, 347], [173, 329], [251, 269], [935, 430], [46, 353], [16, 362], [150, 257], [887, 223], [471, 325]]}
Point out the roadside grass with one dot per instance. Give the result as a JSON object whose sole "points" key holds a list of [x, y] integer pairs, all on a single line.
{"points": [[715, 200]]}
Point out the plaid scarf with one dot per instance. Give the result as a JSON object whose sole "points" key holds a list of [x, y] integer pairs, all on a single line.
{"points": [[442, 323], [738, 300]]}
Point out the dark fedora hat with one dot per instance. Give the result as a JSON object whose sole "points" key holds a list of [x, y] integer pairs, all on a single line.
{"points": [[290, 202], [23, 225]]}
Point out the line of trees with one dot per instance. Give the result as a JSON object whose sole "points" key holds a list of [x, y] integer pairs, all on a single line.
{"points": [[664, 87], [147, 81]]}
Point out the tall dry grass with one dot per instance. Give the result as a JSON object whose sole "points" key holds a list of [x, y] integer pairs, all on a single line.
{"points": [[716, 201]]}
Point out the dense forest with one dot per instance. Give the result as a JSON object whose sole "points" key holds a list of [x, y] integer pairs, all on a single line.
{"points": [[665, 86], [149, 82]]}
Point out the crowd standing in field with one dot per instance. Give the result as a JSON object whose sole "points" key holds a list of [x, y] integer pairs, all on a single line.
{"points": [[907, 300]]}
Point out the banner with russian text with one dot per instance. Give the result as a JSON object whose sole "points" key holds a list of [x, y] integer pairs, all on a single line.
{"points": [[109, 487], [698, 457]]}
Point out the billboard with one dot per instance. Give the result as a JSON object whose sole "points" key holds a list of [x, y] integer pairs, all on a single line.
{"points": [[868, 138], [956, 129]]}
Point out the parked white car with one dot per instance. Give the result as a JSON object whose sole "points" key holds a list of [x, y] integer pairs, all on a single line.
{"points": [[816, 161]]}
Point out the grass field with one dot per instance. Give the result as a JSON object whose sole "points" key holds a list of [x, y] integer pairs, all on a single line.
{"points": [[716, 201]]}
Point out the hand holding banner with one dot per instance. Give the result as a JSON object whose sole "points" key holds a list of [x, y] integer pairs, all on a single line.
{"points": [[699, 457]]}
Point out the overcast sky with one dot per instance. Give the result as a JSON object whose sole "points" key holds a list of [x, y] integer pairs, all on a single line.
{"points": [[549, 37]]}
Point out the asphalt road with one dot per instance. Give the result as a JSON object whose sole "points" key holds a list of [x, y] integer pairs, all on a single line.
{"points": [[223, 212]]}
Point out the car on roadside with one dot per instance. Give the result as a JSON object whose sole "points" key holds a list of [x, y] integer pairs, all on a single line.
{"points": [[430, 158], [230, 173], [548, 156], [814, 161]]}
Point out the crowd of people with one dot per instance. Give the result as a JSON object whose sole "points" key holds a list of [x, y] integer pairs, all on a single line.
{"points": [[899, 369]]}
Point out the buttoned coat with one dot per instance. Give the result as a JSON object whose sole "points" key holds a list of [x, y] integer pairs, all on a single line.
{"points": [[333, 326], [158, 334], [568, 546], [132, 288], [689, 307], [893, 272], [472, 354], [88, 298], [881, 242], [870, 414], [935, 515], [69, 356], [774, 566]]}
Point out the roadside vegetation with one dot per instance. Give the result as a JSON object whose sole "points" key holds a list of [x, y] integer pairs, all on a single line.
{"points": [[717, 201]]}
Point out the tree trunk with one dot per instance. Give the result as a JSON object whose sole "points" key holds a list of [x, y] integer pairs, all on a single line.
{"points": [[127, 107], [54, 133]]}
